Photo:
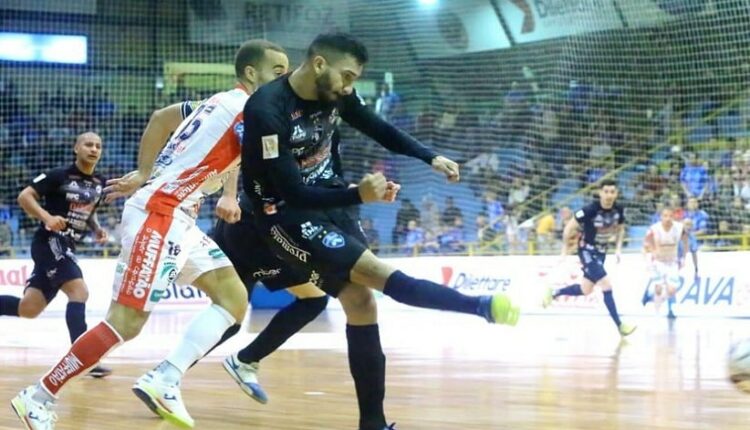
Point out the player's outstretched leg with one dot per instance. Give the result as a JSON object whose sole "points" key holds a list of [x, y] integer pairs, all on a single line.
{"points": [[243, 366], [9, 306], [34, 405], [159, 388], [421, 293], [609, 302]]}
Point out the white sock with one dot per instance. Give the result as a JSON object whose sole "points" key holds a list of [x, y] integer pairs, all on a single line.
{"points": [[202, 334]]}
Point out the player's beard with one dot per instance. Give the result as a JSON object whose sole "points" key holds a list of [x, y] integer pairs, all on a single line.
{"points": [[324, 88]]}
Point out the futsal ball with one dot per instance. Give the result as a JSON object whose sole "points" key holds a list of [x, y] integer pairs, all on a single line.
{"points": [[738, 365]]}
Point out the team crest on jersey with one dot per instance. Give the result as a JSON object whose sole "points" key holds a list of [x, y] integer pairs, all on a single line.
{"points": [[334, 240], [298, 135], [239, 130], [270, 146]]}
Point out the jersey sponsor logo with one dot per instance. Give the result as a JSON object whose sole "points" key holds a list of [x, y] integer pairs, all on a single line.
{"points": [[270, 146], [579, 214], [296, 115], [73, 185], [68, 366], [266, 273], [278, 235], [239, 130], [74, 197], [334, 240], [174, 249], [39, 178], [309, 231], [299, 134], [315, 279], [51, 273], [147, 263]]}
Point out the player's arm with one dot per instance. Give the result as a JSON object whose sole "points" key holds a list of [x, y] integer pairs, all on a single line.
{"points": [[162, 123], [648, 242], [100, 233], [29, 197], [570, 230], [228, 208], [686, 246], [620, 239], [356, 114], [269, 136]]}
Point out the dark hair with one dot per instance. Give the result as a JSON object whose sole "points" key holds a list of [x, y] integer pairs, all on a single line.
{"points": [[333, 44], [607, 183], [251, 53]]}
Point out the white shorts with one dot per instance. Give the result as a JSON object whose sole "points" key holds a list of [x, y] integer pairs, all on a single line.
{"points": [[157, 251], [666, 274]]}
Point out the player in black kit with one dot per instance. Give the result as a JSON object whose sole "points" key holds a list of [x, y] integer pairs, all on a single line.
{"points": [[602, 222], [305, 210], [72, 195]]}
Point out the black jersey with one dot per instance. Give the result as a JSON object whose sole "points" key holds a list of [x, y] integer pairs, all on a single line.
{"points": [[71, 194], [288, 154], [600, 226]]}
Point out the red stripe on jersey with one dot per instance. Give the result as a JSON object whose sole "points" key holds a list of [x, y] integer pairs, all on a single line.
{"points": [[145, 255], [226, 150]]}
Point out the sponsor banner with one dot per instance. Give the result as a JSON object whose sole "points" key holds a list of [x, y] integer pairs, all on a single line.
{"points": [[536, 20], [83, 7], [647, 13], [290, 23], [98, 275], [721, 290], [452, 28]]}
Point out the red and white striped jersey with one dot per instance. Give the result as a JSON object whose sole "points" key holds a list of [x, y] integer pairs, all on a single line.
{"points": [[204, 148], [665, 241]]}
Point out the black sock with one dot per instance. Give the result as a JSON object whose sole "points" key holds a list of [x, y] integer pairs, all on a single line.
{"points": [[9, 305], [570, 290], [75, 317], [231, 331], [283, 325], [367, 364], [609, 301], [426, 294]]}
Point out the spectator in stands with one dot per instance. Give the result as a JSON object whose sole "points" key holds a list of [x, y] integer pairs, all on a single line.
{"points": [[373, 238], [674, 202], [738, 215], [698, 216], [563, 216], [724, 230], [407, 212], [453, 239], [414, 238], [6, 238], [450, 213], [545, 231], [651, 184], [485, 233], [694, 177], [429, 215], [518, 193], [386, 101], [494, 208], [740, 185], [431, 246]]}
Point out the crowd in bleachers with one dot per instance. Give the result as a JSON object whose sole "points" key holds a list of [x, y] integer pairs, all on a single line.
{"points": [[524, 163]]}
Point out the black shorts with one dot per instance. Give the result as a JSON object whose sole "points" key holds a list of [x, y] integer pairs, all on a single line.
{"points": [[327, 243], [593, 263], [54, 264], [252, 259]]}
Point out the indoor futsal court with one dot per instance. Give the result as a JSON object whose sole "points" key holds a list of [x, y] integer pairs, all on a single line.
{"points": [[583, 163], [542, 374]]}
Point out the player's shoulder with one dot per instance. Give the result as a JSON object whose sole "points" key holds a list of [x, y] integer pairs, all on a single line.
{"points": [[271, 96]]}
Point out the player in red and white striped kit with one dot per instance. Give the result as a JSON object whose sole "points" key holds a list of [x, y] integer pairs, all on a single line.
{"points": [[161, 244], [661, 242]]}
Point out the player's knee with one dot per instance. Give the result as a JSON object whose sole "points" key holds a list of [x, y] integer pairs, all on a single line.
{"points": [[80, 294], [359, 300], [126, 322], [30, 309]]}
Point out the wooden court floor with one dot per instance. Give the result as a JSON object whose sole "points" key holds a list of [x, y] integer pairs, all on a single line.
{"points": [[444, 372]]}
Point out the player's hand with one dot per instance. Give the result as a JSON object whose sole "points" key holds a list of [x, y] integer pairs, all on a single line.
{"points": [[124, 186], [618, 257], [228, 209], [447, 167], [680, 263], [55, 223], [101, 236], [372, 188], [391, 190]]}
